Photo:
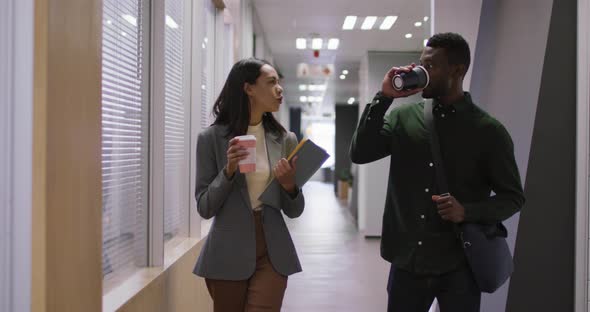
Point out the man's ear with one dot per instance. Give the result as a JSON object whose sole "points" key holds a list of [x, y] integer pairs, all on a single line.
{"points": [[462, 70]]}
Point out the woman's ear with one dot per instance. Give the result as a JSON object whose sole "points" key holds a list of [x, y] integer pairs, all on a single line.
{"points": [[248, 89]]}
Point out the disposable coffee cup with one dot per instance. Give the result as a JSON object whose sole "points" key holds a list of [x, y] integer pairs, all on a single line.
{"points": [[249, 163], [418, 78]]}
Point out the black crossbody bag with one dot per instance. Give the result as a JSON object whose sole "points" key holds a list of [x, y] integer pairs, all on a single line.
{"points": [[484, 245]]}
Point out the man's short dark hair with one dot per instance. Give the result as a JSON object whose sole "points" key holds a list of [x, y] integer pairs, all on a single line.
{"points": [[456, 48]]}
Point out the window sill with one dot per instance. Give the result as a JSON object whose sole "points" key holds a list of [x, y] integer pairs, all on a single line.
{"points": [[115, 298]]}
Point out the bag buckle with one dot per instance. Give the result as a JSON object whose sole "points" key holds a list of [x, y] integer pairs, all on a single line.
{"points": [[466, 244]]}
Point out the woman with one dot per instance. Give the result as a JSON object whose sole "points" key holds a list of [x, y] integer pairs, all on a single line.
{"points": [[248, 253]]}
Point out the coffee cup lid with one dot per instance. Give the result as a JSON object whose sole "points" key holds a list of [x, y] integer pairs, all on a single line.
{"points": [[426, 73], [398, 82]]}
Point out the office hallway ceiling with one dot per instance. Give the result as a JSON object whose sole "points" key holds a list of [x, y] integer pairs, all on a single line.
{"points": [[283, 21]]}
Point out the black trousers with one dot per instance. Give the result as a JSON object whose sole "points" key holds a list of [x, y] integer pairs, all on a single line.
{"points": [[455, 291]]}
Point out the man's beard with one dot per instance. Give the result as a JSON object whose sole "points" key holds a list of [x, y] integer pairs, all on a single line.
{"points": [[428, 94], [432, 92]]}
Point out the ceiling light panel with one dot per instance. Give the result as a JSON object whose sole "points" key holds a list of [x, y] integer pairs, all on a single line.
{"points": [[333, 44], [301, 43], [349, 22], [317, 43], [369, 22], [388, 22]]}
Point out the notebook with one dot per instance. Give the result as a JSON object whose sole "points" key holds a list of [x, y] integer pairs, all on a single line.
{"points": [[310, 158]]}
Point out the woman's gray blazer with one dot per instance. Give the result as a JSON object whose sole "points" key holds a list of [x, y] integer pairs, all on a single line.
{"points": [[229, 252]]}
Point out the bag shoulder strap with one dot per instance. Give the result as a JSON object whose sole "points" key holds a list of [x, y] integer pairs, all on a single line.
{"points": [[441, 179]]}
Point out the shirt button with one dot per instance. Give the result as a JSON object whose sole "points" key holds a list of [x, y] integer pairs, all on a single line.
{"points": [[431, 164], [420, 243], [443, 115], [422, 216], [377, 101], [426, 190]]}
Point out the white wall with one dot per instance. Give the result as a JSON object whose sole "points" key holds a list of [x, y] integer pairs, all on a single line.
{"points": [[223, 44], [263, 50], [460, 16], [16, 128], [246, 28]]}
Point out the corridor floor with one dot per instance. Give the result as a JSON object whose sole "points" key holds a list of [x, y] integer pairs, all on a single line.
{"points": [[342, 271]]}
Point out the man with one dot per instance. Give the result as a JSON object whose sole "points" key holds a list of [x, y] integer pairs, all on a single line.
{"points": [[418, 238]]}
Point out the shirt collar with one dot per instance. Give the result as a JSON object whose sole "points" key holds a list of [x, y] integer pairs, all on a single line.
{"points": [[459, 106]]}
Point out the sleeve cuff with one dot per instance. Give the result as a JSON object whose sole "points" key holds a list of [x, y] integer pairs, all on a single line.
{"points": [[380, 104], [383, 98], [294, 195], [226, 178]]}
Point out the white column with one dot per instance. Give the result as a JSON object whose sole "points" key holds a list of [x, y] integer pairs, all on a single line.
{"points": [[16, 143], [5, 154], [583, 131]]}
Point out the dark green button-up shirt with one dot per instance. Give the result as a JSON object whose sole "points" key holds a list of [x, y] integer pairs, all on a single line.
{"points": [[478, 158]]}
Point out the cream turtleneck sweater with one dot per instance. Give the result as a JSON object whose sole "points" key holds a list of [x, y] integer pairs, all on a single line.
{"points": [[258, 180]]}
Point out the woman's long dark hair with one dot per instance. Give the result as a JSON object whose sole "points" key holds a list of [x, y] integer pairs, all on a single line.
{"points": [[232, 107]]}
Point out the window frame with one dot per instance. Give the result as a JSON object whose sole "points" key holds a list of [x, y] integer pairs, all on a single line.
{"points": [[187, 96], [142, 260], [154, 41]]}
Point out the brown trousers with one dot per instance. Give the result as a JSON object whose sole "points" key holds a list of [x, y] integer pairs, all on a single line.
{"points": [[263, 291]]}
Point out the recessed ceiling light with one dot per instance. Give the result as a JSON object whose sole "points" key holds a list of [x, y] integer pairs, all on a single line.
{"points": [[418, 24], [333, 44], [388, 22], [369, 22], [170, 22], [426, 18], [303, 98], [345, 72], [130, 19], [317, 43], [109, 22], [349, 22], [342, 77], [301, 43], [408, 36], [351, 100], [302, 87], [425, 42]]}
